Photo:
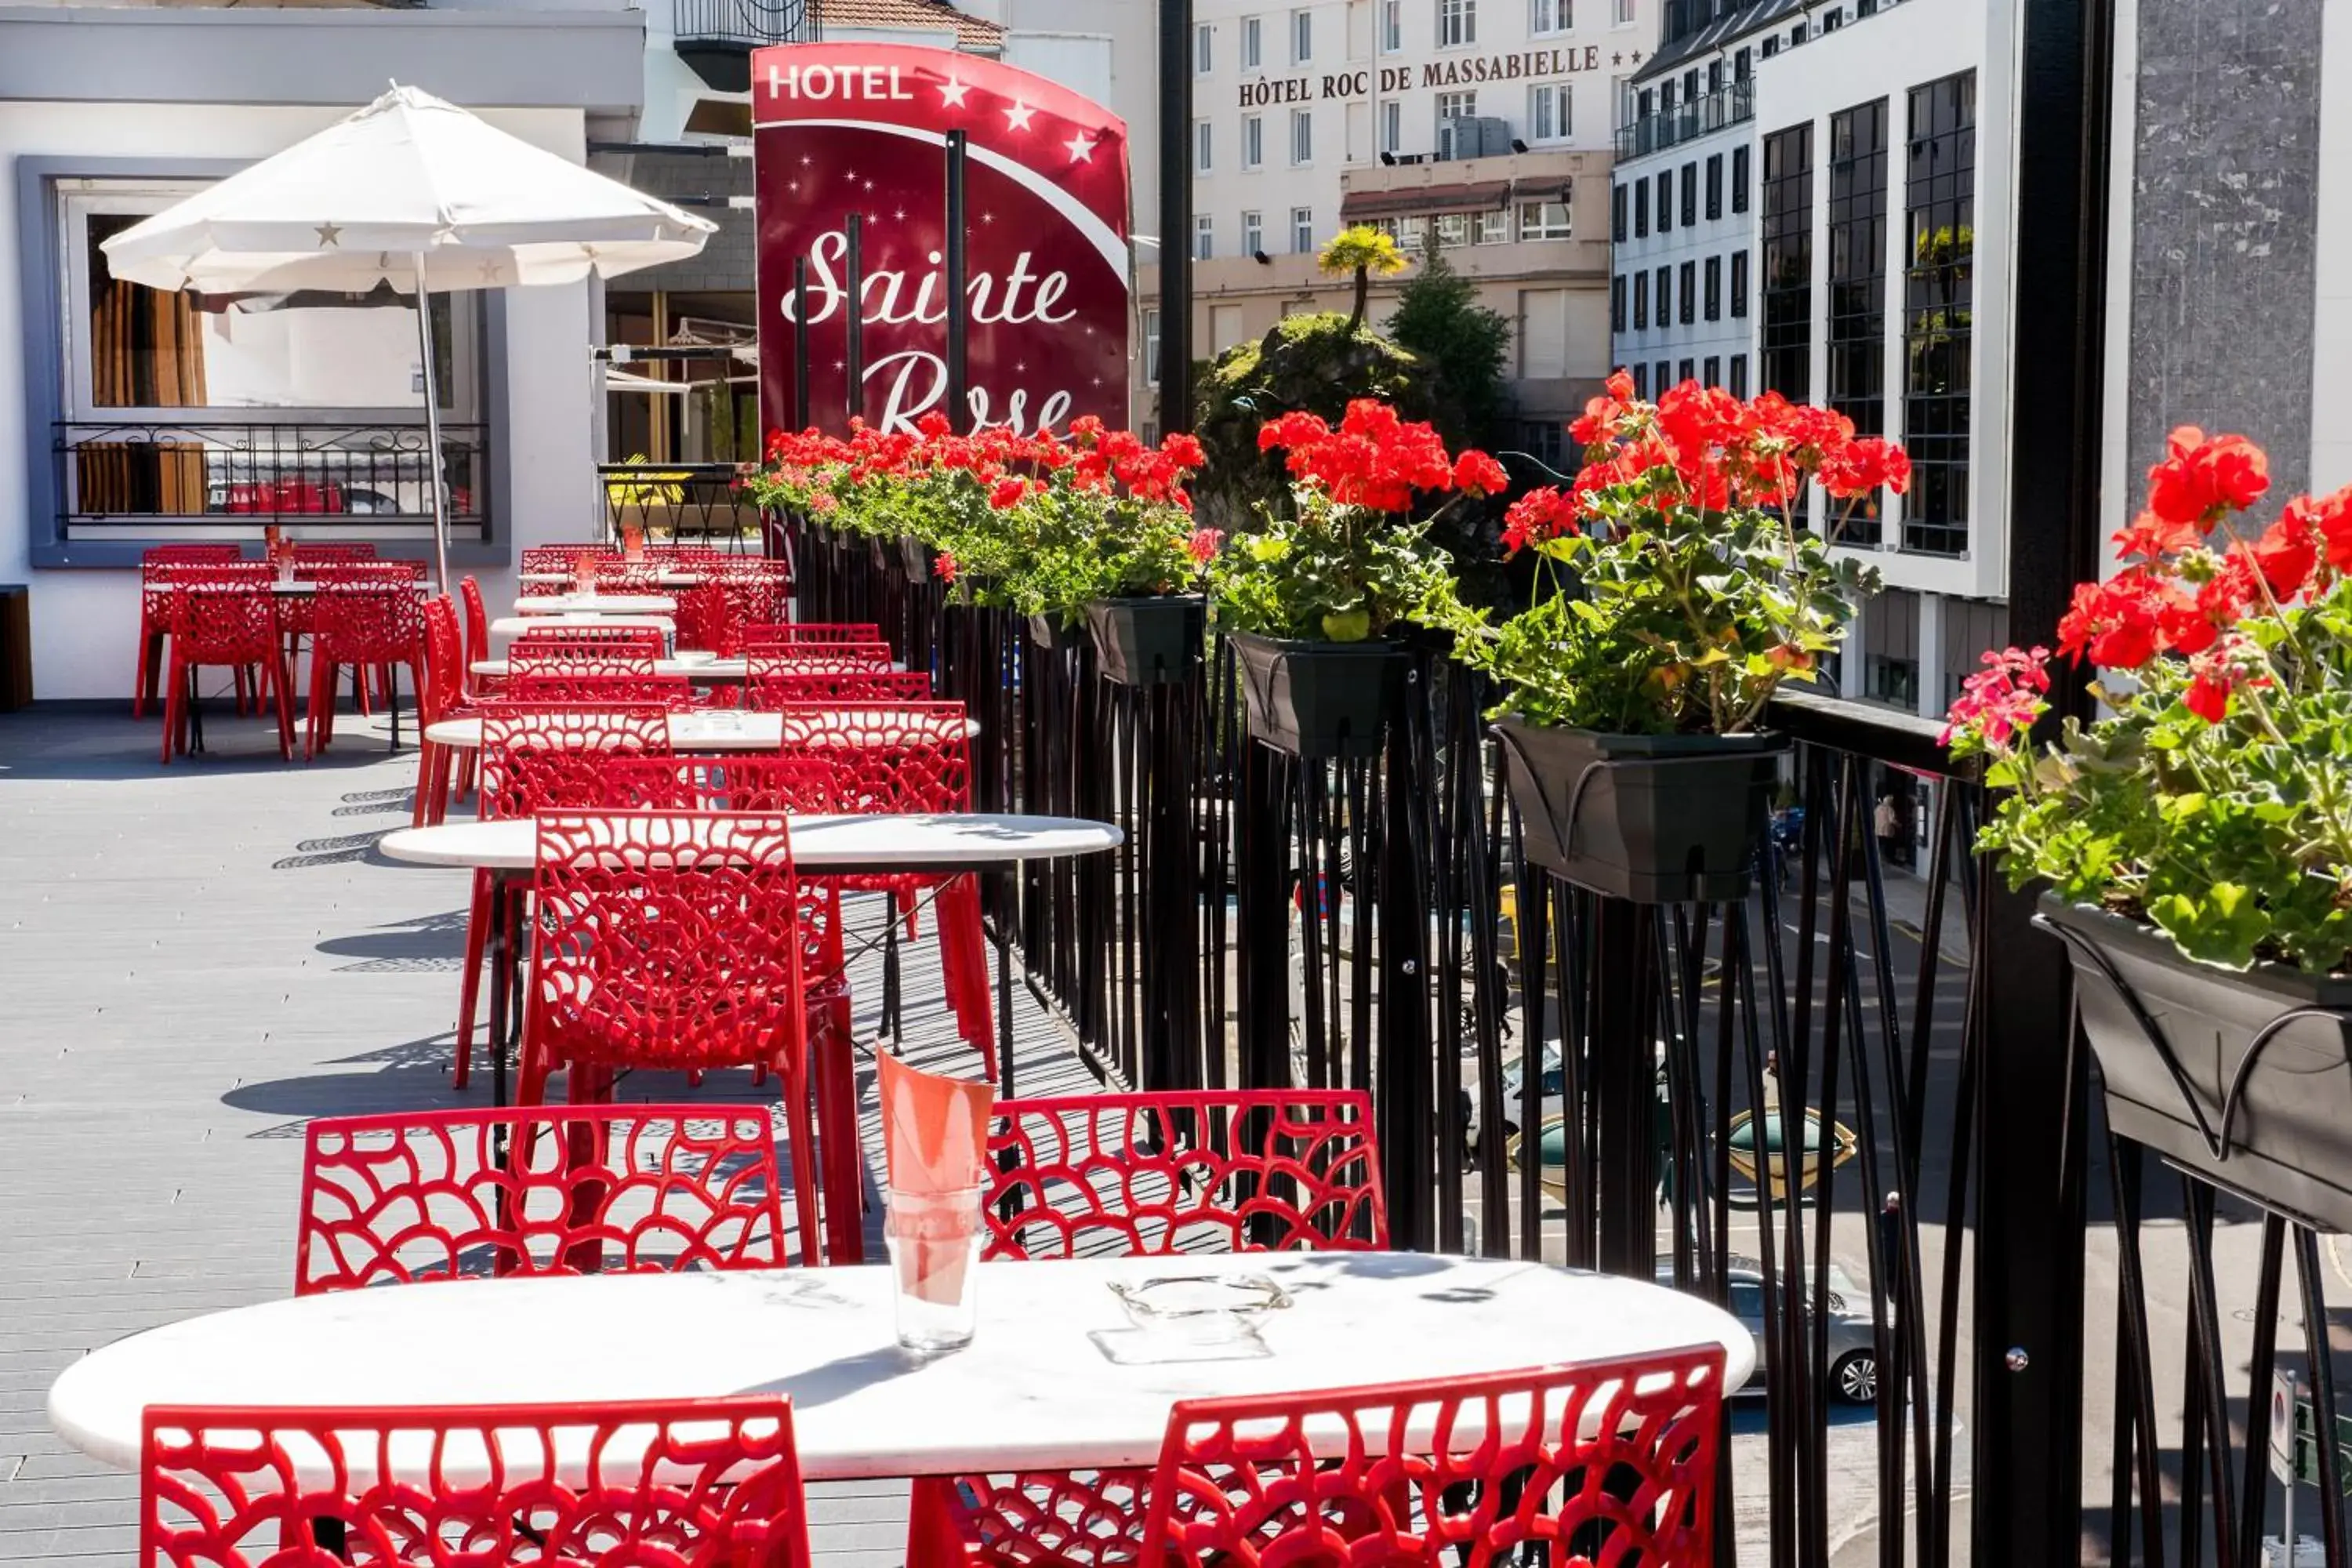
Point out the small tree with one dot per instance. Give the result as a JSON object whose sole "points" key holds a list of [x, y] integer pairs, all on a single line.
{"points": [[1362, 250], [1438, 317]]}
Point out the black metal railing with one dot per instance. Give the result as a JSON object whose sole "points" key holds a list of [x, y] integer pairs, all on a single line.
{"points": [[1845, 1107], [1718, 111], [139, 478], [699, 501], [747, 22]]}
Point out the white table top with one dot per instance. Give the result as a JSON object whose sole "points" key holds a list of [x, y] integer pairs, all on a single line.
{"points": [[596, 604], [939, 842], [515, 625], [1031, 1391], [720, 729], [667, 579]]}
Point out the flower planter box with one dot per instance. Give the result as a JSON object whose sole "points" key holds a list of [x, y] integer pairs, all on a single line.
{"points": [[1148, 641], [873, 553], [2213, 1070], [1657, 819], [916, 556], [1315, 699], [1047, 632]]}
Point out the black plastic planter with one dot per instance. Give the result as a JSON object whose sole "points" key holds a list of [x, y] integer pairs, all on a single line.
{"points": [[1315, 698], [1148, 641], [916, 556], [1658, 819], [2240, 1079], [1048, 633]]}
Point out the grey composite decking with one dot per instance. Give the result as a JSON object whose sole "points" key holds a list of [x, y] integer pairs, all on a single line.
{"points": [[193, 962]]}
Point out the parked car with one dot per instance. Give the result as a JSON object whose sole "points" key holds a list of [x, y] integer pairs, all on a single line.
{"points": [[1852, 1330], [1552, 1088]]}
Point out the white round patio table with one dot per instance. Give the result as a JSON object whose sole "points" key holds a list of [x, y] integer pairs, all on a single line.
{"points": [[1037, 1388], [723, 730], [515, 625], [596, 604], [914, 843]]}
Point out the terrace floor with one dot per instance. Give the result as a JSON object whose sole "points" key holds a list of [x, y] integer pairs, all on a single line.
{"points": [[195, 961]]}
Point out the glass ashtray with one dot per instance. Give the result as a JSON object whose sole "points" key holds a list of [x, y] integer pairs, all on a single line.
{"points": [[1204, 1307]]}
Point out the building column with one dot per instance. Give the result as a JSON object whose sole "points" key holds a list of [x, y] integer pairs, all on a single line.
{"points": [[1932, 662], [1855, 654]]}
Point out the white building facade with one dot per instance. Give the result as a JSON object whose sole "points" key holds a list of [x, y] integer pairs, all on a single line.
{"points": [[1487, 123]]}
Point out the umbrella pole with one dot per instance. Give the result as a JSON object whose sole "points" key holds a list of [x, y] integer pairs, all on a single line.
{"points": [[432, 428]]}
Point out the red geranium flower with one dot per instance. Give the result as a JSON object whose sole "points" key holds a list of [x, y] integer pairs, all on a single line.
{"points": [[2202, 477]]}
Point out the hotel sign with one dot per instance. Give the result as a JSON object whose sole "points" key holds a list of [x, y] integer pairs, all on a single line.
{"points": [[1527, 65], [862, 128]]}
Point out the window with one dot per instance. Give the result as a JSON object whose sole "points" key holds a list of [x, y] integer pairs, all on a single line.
{"points": [[1392, 27], [1715, 187], [1548, 115], [1785, 335], [1451, 106], [1546, 441], [1453, 229], [328, 398], [1642, 381], [1715, 76], [1663, 373], [1641, 209], [1688, 288], [1253, 43], [1457, 23], [1689, 372], [1617, 214], [1743, 65], [1856, 281], [1617, 304], [1738, 383], [1711, 372], [1204, 236], [1151, 345], [1410, 231], [1302, 37], [1771, 47], [1252, 141], [1253, 234], [1738, 284], [1203, 143], [1666, 201], [1713, 293], [1624, 14], [1550, 16], [1796, 35], [1204, 54], [1690, 195], [1302, 230], [1640, 301], [1665, 289], [1545, 220], [1543, 334], [1739, 179], [1494, 229], [1392, 126], [1938, 294], [1302, 136]]}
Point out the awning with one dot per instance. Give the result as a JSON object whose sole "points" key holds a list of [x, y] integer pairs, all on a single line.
{"points": [[1552, 190], [1485, 195]]}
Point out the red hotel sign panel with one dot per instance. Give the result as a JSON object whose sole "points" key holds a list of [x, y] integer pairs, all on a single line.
{"points": [[862, 128]]}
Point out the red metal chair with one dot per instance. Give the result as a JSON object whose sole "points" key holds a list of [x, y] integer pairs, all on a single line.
{"points": [[585, 650], [411, 1196], [1185, 1170], [781, 658], [669, 941], [534, 689], [367, 620], [224, 615], [771, 690], [736, 592], [441, 695], [308, 550], [560, 557], [710, 1483], [758, 638], [1609, 1462], [531, 758], [155, 564], [911, 757]]}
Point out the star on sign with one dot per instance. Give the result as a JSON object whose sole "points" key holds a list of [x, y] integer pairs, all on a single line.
{"points": [[806, 160], [329, 234], [869, 184], [1618, 58], [988, 217], [489, 272], [1081, 147], [900, 215], [1017, 117], [953, 92]]}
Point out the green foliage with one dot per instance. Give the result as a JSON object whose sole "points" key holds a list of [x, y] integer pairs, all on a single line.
{"points": [[1312, 363], [1331, 573], [1439, 320]]}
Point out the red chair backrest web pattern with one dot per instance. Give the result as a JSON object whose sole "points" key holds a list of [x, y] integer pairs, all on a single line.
{"points": [[216, 620], [535, 685], [585, 650], [157, 579], [667, 940], [363, 621], [304, 551], [1204, 1170], [562, 557], [477, 620], [543, 758], [785, 659], [1608, 1463], [887, 756], [771, 693], [413, 1196], [657, 1484], [444, 661], [787, 633], [188, 555]]}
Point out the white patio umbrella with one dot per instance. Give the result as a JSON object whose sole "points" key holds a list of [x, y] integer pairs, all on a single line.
{"points": [[413, 193]]}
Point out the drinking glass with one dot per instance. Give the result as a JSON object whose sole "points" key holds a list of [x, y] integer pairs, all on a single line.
{"points": [[934, 1240]]}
